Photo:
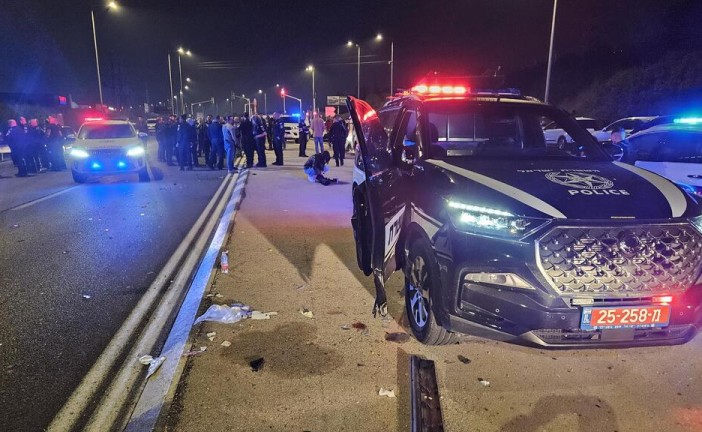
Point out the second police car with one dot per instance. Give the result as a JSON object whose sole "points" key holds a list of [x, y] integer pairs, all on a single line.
{"points": [[500, 235]]}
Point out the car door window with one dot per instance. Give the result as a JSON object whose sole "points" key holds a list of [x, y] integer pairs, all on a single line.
{"points": [[666, 147]]}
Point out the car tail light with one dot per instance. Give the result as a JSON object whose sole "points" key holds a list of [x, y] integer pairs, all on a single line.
{"points": [[663, 299]]}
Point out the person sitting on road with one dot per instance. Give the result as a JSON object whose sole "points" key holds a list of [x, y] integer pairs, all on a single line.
{"points": [[316, 166]]}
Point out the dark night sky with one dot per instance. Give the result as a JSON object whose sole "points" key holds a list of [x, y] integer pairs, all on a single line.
{"points": [[47, 45]]}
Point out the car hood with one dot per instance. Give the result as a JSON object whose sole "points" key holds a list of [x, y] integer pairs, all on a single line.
{"points": [[566, 189], [106, 143]]}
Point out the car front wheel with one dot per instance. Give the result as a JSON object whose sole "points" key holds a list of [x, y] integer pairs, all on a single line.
{"points": [[77, 177], [421, 279]]}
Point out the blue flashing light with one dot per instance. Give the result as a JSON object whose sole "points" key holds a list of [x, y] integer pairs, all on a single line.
{"points": [[121, 164], [95, 165], [296, 115], [688, 120]]}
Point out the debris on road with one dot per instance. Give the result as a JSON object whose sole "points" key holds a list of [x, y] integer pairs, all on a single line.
{"points": [[257, 364], [218, 295], [464, 360], [211, 336], [226, 344], [398, 337], [258, 315], [386, 392], [195, 352], [153, 363], [484, 383], [145, 359], [359, 326], [225, 314], [86, 296], [345, 327], [15, 226], [306, 312], [224, 262]]}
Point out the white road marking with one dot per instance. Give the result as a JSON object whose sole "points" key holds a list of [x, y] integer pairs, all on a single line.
{"points": [[38, 200]]}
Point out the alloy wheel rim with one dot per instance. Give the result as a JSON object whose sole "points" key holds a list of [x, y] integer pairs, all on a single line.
{"points": [[418, 292]]}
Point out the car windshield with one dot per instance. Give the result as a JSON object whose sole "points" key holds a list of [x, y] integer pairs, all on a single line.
{"points": [[106, 131], [506, 131]]}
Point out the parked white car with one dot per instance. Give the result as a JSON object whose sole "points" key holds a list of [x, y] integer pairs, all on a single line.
{"points": [[628, 123], [556, 136]]}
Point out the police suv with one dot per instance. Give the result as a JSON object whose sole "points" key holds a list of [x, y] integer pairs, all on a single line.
{"points": [[500, 235], [108, 147]]}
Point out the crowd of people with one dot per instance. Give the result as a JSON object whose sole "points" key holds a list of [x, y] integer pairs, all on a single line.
{"points": [[184, 141], [34, 147]]}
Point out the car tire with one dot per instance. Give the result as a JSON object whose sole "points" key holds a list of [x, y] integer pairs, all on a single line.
{"points": [[362, 231], [561, 143], [422, 282], [144, 175], [77, 177]]}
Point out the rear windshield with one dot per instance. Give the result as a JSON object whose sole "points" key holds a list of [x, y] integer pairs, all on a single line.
{"points": [[506, 131], [673, 146], [102, 131]]}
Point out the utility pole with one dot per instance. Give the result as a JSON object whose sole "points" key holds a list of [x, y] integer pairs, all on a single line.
{"points": [[550, 51]]}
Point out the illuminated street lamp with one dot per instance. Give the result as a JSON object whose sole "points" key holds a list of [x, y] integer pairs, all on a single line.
{"points": [[358, 67], [310, 68], [110, 6], [265, 100], [180, 51]]}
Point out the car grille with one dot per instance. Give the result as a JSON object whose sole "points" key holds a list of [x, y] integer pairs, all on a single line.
{"points": [[108, 153], [620, 261], [584, 337]]}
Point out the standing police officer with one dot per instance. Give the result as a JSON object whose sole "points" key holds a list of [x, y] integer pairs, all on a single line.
{"points": [[278, 139], [304, 133], [246, 131], [214, 132], [16, 139], [259, 131]]}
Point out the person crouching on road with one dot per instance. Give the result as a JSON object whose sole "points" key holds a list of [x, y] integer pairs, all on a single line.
{"points": [[316, 166], [229, 134], [337, 136]]}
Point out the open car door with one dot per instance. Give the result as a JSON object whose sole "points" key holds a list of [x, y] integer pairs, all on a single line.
{"points": [[383, 192]]}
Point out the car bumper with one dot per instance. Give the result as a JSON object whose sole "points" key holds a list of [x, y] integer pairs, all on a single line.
{"points": [[540, 316], [108, 165]]}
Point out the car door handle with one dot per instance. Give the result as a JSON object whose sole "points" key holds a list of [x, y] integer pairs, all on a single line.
{"points": [[695, 176]]}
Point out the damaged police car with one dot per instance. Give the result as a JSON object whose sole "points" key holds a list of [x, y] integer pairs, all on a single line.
{"points": [[499, 235]]}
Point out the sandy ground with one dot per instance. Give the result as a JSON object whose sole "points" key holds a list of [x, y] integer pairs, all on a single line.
{"points": [[292, 248]]}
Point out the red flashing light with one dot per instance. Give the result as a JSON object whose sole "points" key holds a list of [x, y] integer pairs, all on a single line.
{"points": [[663, 299], [90, 119], [282, 92], [436, 90], [369, 114]]}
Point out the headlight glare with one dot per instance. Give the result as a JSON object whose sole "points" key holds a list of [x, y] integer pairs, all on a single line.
{"points": [[135, 151], [79, 153], [490, 221]]}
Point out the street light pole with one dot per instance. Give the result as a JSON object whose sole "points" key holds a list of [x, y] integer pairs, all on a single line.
{"points": [[550, 51], [358, 74], [97, 60], [182, 98], [392, 66], [310, 68], [170, 79]]}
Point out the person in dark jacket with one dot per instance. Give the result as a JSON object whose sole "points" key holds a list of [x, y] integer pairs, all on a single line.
{"points": [[248, 143], [304, 133], [259, 132], [316, 166], [337, 137], [214, 132], [171, 140], [187, 139], [278, 139], [161, 139], [203, 139], [54, 142], [35, 145], [16, 139]]}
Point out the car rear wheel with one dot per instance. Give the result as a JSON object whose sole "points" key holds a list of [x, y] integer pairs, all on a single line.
{"points": [[421, 279], [77, 177], [144, 175]]}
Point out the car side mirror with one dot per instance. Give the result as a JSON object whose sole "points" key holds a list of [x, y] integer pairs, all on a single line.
{"points": [[614, 150], [409, 152]]}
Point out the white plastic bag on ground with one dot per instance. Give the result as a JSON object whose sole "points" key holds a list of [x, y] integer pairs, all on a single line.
{"points": [[225, 314]]}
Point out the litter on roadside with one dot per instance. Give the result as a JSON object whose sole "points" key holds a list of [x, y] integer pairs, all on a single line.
{"points": [[87, 296], [345, 327], [224, 262], [211, 336], [386, 392], [258, 315], [225, 314], [257, 364], [307, 313], [484, 383], [218, 295], [153, 363], [195, 352], [226, 344], [464, 360], [397, 337]]}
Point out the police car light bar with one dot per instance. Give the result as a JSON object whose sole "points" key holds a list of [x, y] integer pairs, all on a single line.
{"points": [[90, 119], [688, 120], [433, 89]]}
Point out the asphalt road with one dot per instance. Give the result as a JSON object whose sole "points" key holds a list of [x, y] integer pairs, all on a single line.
{"points": [[74, 260]]}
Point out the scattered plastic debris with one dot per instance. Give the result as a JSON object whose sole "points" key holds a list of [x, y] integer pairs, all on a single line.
{"points": [[359, 326], [154, 365], [145, 359], [345, 327], [211, 336], [15, 226], [195, 352], [464, 360], [258, 315], [257, 364], [87, 296], [484, 383], [226, 344], [386, 392], [225, 314], [398, 337], [224, 262], [65, 252], [306, 312], [218, 295]]}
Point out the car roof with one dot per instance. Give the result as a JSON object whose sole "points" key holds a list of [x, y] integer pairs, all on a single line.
{"points": [[414, 98], [670, 127]]}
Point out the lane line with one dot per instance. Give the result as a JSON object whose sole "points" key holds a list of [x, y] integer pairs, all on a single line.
{"points": [[71, 414], [47, 197], [160, 389]]}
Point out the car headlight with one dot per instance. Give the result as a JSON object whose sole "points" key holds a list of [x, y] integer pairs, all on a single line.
{"points": [[79, 153], [135, 151], [489, 221]]}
